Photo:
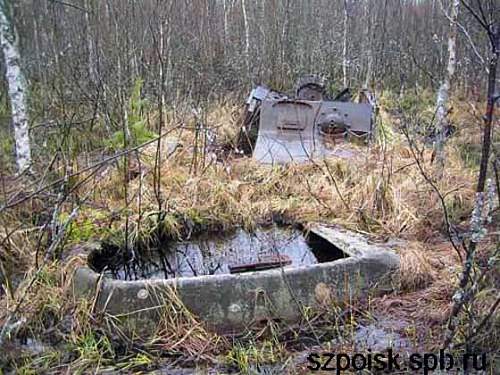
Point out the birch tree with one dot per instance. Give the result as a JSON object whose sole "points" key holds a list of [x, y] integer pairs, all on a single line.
{"points": [[16, 86], [470, 280], [247, 37], [345, 61], [443, 92], [349, 41]]}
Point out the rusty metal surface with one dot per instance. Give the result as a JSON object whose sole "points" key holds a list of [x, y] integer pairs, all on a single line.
{"points": [[357, 117], [280, 129], [264, 263], [310, 92], [287, 132], [293, 130], [259, 94], [310, 87], [247, 136]]}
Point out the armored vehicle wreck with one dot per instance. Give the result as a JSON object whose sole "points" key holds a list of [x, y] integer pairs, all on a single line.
{"points": [[279, 129]]}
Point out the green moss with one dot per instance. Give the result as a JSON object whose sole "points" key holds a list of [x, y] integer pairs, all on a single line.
{"points": [[6, 147], [86, 227]]}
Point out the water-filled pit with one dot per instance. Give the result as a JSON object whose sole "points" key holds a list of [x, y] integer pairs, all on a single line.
{"points": [[214, 254], [326, 264]]}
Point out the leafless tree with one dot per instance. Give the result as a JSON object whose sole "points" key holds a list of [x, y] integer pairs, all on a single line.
{"points": [[16, 85], [444, 89]]}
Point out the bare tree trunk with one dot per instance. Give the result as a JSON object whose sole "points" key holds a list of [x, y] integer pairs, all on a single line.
{"points": [[247, 38], [90, 45], [465, 292], [344, 49], [161, 104], [225, 10], [368, 45], [284, 44], [443, 92], [17, 87]]}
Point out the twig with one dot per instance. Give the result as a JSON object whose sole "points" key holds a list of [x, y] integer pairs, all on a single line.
{"points": [[335, 184], [98, 164], [69, 5], [436, 190]]}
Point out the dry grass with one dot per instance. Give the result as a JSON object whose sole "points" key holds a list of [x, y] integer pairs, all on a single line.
{"points": [[180, 332], [416, 270], [380, 191], [383, 192], [44, 295]]}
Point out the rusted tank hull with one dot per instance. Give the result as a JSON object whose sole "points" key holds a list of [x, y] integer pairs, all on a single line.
{"points": [[294, 130]]}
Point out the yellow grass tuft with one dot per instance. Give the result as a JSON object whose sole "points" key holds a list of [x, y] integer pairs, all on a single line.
{"points": [[416, 271]]}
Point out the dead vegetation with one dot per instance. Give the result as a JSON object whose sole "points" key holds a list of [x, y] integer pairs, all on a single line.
{"points": [[379, 191]]}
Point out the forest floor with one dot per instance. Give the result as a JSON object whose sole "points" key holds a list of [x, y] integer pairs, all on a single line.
{"points": [[381, 190]]}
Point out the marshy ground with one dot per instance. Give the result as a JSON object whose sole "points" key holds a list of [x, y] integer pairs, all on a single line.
{"points": [[381, 190]]}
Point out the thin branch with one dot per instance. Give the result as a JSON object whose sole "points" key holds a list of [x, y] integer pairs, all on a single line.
{"points": [[98, 164], [69, 5], [467, 35], [485, 320], [435, 188], [475, 15]]}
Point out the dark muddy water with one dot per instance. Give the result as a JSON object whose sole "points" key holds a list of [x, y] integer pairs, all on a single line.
{"points": [[218, 254]]}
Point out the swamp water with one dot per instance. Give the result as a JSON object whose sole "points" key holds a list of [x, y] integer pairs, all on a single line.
{"points": [[222, 254]]}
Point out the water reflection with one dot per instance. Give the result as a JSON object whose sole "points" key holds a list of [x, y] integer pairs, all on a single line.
{"points": [[215, 255]]}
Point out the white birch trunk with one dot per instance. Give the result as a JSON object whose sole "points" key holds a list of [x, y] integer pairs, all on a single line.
{"points": [[17, 88], [162, 73], [247, 37], [344, 49], [443, 92]]}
